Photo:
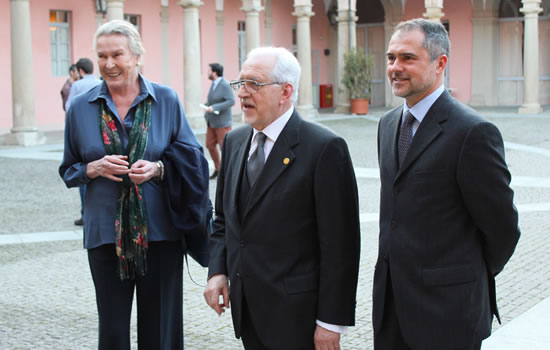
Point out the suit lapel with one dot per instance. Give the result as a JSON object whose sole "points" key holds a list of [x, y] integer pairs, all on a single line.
{"points": [[387, 143], [210, 93], [427, 132], [280, 159], [395, 124], [238, 159]]}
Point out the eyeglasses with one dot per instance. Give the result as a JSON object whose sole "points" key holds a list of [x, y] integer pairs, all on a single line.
{"points": [[251, 86]]}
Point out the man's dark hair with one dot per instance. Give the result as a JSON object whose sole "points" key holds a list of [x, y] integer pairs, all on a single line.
{"points": [[72, 68], [86, 65], [217, 68], [436, 38]]}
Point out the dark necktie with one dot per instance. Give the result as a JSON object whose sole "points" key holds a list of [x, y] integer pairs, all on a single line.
{"points": [[256, 160], [405, 136]]}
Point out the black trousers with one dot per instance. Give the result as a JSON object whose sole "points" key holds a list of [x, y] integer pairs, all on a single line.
{"points": [[250, 338], [159, 298], [389, 337]]}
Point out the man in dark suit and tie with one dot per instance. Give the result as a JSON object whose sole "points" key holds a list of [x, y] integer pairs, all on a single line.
{"points": [[447, 220], [286, 234], [218, 113]]}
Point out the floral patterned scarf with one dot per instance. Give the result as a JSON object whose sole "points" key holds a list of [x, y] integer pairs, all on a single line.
{"points": [[131, 219]]}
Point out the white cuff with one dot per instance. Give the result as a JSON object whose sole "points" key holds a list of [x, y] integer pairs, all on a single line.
{"points": [[333, 327]]}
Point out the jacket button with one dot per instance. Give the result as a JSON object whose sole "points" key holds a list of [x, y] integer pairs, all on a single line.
{"points": [[242, 244], [238, 275], [396, 190], [393, 224]]}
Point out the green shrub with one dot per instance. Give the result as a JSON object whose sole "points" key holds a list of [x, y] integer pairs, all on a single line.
{"points": [[358, 73]]}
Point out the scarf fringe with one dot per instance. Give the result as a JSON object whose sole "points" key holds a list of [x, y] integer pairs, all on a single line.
{"points": [[132, 268]]}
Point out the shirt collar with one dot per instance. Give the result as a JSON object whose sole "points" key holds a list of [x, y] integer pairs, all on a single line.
{"points": [[216, 81], [273, 130], [146, 89], [420, 109]]}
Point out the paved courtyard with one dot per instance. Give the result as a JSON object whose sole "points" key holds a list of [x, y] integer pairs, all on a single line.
{"points": [[47, 298]]}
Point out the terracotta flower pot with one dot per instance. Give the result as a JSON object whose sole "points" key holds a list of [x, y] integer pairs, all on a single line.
{"points": [[359, 105]]}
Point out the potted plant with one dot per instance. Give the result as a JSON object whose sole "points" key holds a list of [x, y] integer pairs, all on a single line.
{"points": [[357, 79]]}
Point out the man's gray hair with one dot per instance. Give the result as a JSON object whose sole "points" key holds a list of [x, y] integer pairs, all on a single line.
{"points": [[286, 70], [125, 28], [436, 38]]}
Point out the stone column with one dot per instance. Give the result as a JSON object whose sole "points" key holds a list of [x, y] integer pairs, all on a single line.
{"points": [[220, 35], [434, 10], [192, 92], [99, 19], [268, 23], [346, 42], [305, 96], [24, 131], [530, 11], [115, 9], [252, 9], [165, 44]]}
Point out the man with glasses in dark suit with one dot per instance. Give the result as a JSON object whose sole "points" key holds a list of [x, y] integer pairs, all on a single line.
{"points": [[286, 233]]}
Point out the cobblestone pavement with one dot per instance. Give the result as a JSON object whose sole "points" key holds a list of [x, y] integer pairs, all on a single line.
{"points": [[47, 299]]}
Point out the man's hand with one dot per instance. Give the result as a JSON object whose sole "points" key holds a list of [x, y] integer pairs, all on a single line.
{"points": [[325, 339], [108, 167], [142, 170], [217, 285]]}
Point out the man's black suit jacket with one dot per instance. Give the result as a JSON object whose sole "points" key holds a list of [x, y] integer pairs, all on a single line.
{"points": [[447, 226], [295, 254]]}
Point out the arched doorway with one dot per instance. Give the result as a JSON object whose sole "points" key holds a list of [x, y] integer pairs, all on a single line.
{"points": [[510, 57], [371, 38]]}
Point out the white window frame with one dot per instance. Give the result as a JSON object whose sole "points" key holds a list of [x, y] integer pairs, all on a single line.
{"points": [[129, 17], [60, 51]]}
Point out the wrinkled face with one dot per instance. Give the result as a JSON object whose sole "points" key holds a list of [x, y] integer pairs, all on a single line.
{"points": [[411, 72], [263, 107], [117, 64]]}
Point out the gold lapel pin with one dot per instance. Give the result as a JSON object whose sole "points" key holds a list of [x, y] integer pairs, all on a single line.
{"points": [[286, 161]]}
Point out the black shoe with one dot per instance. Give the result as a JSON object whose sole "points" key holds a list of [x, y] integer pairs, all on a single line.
{"points": [[79, 222], [214, 175]]}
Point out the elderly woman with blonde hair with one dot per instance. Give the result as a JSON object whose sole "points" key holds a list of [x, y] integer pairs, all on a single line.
{"points": [[115, 138]]}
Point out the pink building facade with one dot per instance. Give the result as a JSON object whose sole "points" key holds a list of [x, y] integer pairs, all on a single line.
{"points": [[492, 51]]}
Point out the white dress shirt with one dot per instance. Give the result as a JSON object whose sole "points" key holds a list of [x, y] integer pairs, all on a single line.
{"points": [[215, 82], [420, 109], [272, 131]]}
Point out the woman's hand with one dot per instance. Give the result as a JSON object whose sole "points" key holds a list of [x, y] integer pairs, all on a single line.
{"points": [[142, 170], [108, 167]]}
